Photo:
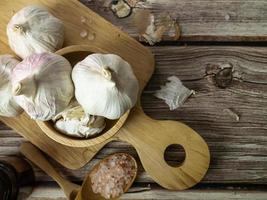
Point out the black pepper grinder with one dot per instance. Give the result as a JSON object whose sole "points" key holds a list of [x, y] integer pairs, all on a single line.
{"points": [[14, 173]]}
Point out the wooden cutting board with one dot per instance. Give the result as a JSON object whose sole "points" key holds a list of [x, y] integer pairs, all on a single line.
{"points": [[107, 37], [149, 137]]}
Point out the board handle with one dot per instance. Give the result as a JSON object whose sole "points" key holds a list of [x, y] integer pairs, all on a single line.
{"points": [[151, 138]]}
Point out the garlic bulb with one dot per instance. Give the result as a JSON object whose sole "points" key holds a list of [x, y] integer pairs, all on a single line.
{"points": [[42, 85], [34, 30], [75, 122], [105, 85], [8, 106]]}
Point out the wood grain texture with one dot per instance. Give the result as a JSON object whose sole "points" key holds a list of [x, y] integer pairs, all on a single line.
{"points": [[203, 20], [238, 149], [52, 192]]}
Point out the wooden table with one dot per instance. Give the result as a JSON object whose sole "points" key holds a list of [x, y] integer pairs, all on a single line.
{"points": [[214, 34]]}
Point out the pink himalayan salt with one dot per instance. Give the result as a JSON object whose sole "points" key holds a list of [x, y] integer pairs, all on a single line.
{"points": [[111, 177]]}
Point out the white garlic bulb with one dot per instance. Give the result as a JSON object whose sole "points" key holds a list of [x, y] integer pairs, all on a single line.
{"points": [[105, 85], [75, 122], [8, 106], [42, 85], [34, 30]]}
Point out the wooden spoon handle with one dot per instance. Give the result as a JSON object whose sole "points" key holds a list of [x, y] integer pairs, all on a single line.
{"points": [[34, 155], [151, 138]]}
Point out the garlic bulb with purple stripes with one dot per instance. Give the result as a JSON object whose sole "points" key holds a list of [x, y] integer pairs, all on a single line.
{"points": [[34, 30], [42, 85]]}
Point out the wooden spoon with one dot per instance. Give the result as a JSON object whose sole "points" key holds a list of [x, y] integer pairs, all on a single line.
{"points": [[86, 192], [71, 190], [33, 154]]}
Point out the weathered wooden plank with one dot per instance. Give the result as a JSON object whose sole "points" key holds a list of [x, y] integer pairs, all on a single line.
{"points": [[238, 148], [53, 192], [202, 20]]}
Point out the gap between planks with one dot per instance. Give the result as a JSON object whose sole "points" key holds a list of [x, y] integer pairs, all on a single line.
{"points": [[202, 20]]}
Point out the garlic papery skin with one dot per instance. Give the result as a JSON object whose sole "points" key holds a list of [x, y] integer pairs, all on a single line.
{"points": [[8, 106], [34, 30], [42, 85], [76, 123], [105, 85]]}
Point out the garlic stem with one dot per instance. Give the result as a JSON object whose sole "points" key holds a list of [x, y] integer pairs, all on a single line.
{"points": [[17, 89], [107, 73], [19, 28], [26, 87]]}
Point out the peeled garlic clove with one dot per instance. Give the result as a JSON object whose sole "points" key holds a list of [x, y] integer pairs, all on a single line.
{"points": [[105, 85], [34, 30], [75, 122], [8, 106], [75, 128], [42, 85]]}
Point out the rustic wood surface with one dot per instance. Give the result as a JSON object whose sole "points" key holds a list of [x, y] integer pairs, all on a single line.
{"points": [[202, 20], [238, 146], [46, 191]]}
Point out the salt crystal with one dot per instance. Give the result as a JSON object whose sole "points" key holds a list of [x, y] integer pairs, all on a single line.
{"points": [[91, 36], [83, 19], [83, 33]]}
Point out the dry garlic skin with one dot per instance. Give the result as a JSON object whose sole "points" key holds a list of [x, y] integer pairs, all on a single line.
{"points": [[34, 30], [8, 106], [105, 85], [73, 121], [42, 85]]}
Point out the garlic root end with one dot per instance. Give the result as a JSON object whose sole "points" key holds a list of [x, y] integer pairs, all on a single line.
{"points": [[107, 73]]}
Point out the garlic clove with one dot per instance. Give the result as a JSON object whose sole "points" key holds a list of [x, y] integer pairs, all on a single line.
{"points": [[42, 85], [105, 85], [34, 30], [8, 106], [73, 121], [75, 128]]}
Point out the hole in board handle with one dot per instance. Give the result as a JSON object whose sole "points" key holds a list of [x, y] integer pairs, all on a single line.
{"points": [[174, 155]]}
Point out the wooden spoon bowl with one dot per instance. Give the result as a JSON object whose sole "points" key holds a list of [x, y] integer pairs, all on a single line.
{"points": [[74, 54], [86, 191]]}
